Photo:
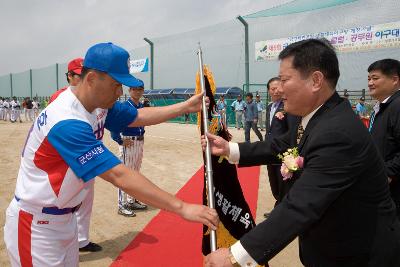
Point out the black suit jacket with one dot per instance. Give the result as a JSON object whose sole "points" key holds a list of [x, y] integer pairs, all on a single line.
{"points": [[385, 132], [277, 128], [339, 206]]}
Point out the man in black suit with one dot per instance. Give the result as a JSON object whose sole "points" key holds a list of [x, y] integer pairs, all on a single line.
{"points": [[276, 124], [340, 205], [384, 86]]}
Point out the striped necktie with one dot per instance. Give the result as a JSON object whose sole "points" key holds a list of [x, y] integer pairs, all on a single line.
{"points": [[371, 121], [300, 132]]}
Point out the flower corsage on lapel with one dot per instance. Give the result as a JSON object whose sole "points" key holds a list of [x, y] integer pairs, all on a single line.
{"points": [[291, 162]]}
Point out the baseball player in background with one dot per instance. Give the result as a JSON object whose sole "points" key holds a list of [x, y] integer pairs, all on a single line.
{"points": [[1, 108], [84, 213], [63, 154], [35, 108], [7, 110], [131, 152], [15, 110]]}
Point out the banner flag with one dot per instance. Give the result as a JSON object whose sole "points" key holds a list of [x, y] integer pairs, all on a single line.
{"points": [[233, 210], [355, 39], [139, 65]]}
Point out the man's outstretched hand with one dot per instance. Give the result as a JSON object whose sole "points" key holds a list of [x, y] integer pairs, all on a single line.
{"points": [[219, 146]]}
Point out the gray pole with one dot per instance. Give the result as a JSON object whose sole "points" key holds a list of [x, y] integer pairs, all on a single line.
{"points": [[246, 51], [209, 171], [11, 85], [30, 78], [57, 86], [151, 62]]}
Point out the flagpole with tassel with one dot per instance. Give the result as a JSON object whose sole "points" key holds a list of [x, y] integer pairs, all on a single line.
{"points": [[209, 171]]}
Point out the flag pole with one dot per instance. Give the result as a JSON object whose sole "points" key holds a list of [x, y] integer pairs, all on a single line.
{"points": [[209, 172]]}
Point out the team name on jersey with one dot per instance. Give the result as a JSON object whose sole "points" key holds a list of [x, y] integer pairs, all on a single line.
{"points": [[91, 154]]}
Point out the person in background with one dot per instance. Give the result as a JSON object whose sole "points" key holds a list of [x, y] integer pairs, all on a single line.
{"points": [[260, 109], [384, 86], [1, 108], [29, 109], [251, 118], [221, 108], [15, 110], [146, 102], [277, 123], [35, 107], [361, 110], [7, 110], [131, 152], [238, 107]]}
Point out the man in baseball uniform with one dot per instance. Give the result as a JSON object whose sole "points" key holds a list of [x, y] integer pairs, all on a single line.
{"points": [[7, 109], [131, 152], [84, 213], [63, 154], [15, 110], [1, 108]]}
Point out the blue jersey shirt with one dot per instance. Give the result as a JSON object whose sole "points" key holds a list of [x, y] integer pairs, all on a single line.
{"points": [[128, 131]]}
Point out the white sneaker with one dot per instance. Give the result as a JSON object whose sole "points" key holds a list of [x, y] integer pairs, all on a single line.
{"points": [[124, 211]]}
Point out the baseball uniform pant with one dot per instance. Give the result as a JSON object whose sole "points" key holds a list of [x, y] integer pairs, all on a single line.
{"points": [[83, 216], [36, 239], [131, 155]]}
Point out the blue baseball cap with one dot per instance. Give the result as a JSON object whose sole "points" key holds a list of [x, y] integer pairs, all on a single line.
{"points": [[140, 85], [113, 60]]}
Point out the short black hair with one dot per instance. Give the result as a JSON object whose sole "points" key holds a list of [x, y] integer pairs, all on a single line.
{"points": [[273, 79], [388, 66], [314, 55], [85, 71], [249, 95]]}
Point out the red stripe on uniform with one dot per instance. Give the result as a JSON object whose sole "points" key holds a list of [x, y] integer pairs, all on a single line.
{"points": [[49, 160], [24, 238]]}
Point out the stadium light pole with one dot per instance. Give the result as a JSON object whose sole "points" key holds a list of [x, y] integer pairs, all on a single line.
{"points": [[246, 51], [151, 62]]}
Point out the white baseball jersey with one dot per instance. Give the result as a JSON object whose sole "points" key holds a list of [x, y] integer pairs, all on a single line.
{"points": [[63, 152]]}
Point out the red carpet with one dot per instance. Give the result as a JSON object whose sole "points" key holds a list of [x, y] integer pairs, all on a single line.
{"points": [[168, 240]]}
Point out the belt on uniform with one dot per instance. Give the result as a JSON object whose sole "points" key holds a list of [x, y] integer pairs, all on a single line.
{"points": [[139, 137], [55, 210]]}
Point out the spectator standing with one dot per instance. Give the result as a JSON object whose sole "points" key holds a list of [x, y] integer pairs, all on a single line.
{"points": [[221, 108], [238, 108], [260, 109], [251, 118], [361, 110]]}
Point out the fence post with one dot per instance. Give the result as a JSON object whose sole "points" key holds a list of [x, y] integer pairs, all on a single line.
{"points": [[57, 86], [151, 62], [11, 85], [246, 51], [30, 78]]}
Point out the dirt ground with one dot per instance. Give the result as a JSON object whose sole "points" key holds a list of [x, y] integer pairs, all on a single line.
{"points": [[171, 156]]}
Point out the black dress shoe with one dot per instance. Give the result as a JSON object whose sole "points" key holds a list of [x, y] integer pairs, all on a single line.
{"points": [[91, 247]]}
